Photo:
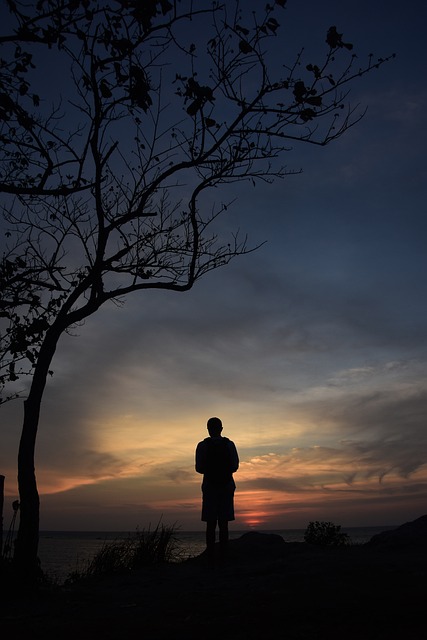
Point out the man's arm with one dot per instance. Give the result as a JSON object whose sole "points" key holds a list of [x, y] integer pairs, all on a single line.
{"points": [[200, 458], [234, 457]]}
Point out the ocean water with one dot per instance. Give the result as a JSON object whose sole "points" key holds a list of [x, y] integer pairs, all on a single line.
{"points": [[62, 552]]}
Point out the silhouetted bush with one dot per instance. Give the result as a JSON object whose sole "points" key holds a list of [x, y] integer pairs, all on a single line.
{"points": [[325, 534], [144, 548]]}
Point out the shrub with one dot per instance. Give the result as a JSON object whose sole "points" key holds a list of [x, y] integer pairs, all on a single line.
{"points": [[325, 534]]}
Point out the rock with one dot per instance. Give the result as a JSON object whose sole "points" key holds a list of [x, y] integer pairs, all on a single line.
{"points": [[256, 540], [255, 546], [409, 535], [249, 548]]}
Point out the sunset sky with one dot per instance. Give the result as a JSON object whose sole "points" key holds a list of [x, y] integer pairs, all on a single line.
{"points": [[312, 350]]}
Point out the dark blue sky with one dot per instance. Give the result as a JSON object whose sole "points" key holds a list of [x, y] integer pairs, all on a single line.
{"points": [[312, 350]]}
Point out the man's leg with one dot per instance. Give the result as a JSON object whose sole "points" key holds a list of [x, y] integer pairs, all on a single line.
{"points": [[210, 537], [223, 537]]}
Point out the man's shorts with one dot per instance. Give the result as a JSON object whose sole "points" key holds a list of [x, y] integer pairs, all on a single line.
{"points": [[218, 501]]}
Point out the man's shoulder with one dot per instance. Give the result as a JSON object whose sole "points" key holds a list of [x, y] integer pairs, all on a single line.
{"points": [[202, 443]]}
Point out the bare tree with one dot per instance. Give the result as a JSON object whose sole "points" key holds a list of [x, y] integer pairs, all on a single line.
{"points": [[25, 314], [107, 178]]}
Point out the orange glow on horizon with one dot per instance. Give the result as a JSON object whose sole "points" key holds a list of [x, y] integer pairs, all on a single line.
{"points": [[254, 522]]}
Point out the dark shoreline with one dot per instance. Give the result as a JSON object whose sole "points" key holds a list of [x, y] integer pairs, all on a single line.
{"points": [[64, 556], [266, 589]]}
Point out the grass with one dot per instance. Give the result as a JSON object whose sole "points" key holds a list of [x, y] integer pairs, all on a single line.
{"points": [[142, 549]]}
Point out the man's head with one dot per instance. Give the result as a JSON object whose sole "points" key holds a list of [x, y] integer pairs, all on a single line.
{"points": [[214, 426]]}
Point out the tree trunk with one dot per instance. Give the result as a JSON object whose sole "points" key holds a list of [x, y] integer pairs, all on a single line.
{"points": [[1, 513], [26, 545]]}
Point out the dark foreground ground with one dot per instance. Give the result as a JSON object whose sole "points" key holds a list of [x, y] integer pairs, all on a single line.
{"points": [[267, 589]]}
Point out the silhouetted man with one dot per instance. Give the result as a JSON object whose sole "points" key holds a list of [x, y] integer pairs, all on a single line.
{"points": [[217, 460]]}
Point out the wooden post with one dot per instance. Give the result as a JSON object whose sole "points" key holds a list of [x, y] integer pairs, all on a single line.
{"points": [[1, 513]]}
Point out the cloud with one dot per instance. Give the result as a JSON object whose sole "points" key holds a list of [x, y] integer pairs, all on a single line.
{"points": [[180, 475], [312, 349]]}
